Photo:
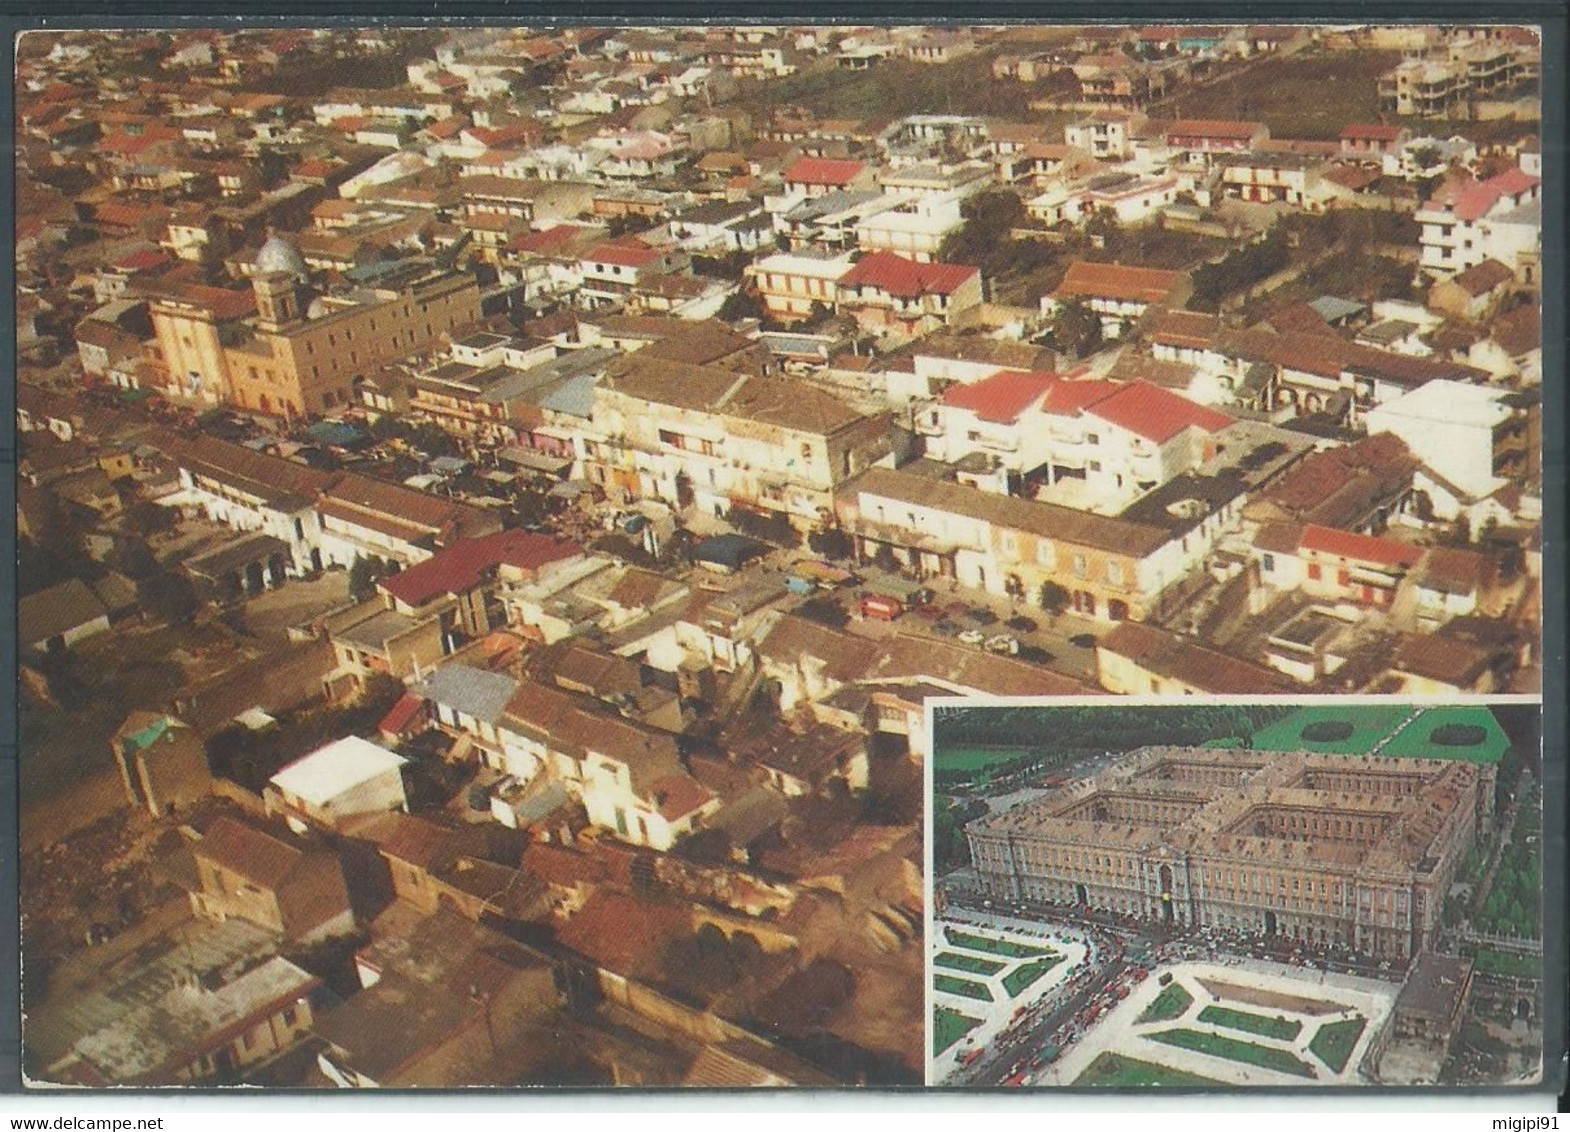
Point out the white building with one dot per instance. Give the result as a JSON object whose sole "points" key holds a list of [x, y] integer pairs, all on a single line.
{"points": [[1500, 218], [348, 777], [1463, 432]]}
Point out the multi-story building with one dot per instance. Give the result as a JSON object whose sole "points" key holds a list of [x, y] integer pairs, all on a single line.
{"points": [[791, 286], [1208, 136], [1111, 567], [1438, 87], [301, 356], [914, 229], [1477, 437], [1120, 440], [718, 439], [1105, 135], [1270, 177], [1352, 851], [1333, 565], [629, 777], [1470, 221], [889, 295], [1119, 294], [1129, 197]]}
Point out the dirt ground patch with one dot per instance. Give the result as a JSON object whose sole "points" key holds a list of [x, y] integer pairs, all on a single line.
{"points": [[1273, 1000]]}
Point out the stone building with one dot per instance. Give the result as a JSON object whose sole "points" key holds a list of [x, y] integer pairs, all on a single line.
{"points": [[1351, 851]]}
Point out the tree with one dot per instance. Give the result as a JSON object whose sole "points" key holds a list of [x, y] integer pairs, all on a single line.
{"points": [[831, 543], [364, 573], [1077, 329], [147, 518], [169, 597], [740, 304], [1053, 597]]}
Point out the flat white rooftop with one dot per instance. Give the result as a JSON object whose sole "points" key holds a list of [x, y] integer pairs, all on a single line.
{"points": [[336, 768]]}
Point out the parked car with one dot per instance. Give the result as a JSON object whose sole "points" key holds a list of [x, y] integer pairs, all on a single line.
{"points": [[982, 616], [1022, 624], [1083, 640], [1003, 643], [973, 636], [1034, 654]]}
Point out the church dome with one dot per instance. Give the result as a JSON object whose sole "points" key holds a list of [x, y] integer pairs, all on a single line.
{"points": [[278, 254]]}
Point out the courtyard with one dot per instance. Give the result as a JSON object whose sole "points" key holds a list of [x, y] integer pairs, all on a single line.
{"points": [[986, 977], [1231, 1022]]}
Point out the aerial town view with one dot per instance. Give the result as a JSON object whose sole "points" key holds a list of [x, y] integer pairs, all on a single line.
{"points": [[1237, 895], [494, 504]]}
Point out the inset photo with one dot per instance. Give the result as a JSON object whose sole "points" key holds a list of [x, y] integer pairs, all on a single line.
{"points": [[1236, 895]]}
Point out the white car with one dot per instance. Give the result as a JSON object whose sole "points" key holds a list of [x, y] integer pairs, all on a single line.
{"points": [[1003, 643], [972, 636]]}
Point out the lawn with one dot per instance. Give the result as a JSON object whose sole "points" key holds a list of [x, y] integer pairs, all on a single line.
{"points": [[974, 964], [1336, 1040], [1416, 741], [1261, 1024], [1370, 724], [1119, 1072], [965, 988], [995, 946], [948, 1027], [1172, 1002], [1028, 973], [1247, 1053], [1491, 962], [1311, 96]]}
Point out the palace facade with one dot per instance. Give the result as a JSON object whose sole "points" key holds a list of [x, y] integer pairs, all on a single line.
{"points": [[1355, 851]]}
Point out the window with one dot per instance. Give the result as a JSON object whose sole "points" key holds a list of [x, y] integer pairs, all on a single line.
{"points": [[1268, 563], [1092, 438], [1313, 571], [1115, 573], [1081, 567]]}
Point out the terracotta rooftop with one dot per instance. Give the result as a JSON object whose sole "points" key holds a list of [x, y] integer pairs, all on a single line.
{"points": [[904, 278], [1116, 281]]}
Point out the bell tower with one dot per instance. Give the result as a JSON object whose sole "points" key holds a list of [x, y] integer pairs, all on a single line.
{"points": [[277, 297]]}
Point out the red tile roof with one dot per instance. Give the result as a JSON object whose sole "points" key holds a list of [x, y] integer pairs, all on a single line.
{"points": [[679, 795], [1156, 413], [823, 171], [1362, 548], [1116, 281], [148, 259], [621, 255], [904, 278], [1474, 199], [1069, 398], [402, 715], [468, 562], [1002, 397]]}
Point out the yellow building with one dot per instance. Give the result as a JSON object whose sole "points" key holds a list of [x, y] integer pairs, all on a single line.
{"points": [[300, 355]]}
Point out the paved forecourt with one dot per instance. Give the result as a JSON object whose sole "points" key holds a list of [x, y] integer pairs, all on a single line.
{"points": [[1244, 1022], [1015, 967]]}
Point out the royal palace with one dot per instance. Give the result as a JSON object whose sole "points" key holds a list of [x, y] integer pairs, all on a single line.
{"points": [[1327, 849]]}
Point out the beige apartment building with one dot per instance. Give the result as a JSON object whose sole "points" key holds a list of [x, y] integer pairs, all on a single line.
{"points": [[301, 355]]}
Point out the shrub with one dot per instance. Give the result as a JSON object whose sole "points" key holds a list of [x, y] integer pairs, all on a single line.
{"points": [[1458, 735], [1328, 731]]}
